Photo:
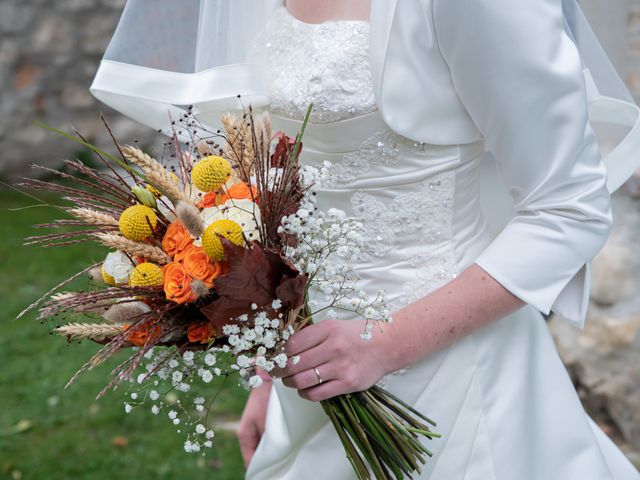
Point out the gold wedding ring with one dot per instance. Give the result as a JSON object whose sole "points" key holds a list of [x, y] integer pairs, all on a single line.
{"points": [[315, 369]]}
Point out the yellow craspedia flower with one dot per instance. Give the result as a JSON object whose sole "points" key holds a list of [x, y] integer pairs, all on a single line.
{"points": [[108, 279], [210, 173], [157, 192], [146, 275], [212, 245], [137, 222]]}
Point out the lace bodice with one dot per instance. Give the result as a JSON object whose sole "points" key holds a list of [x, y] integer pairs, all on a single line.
{"points": [[326, 64]]}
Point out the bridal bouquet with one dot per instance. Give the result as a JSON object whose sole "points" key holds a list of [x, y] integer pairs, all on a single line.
{"points": [[215, 251]]}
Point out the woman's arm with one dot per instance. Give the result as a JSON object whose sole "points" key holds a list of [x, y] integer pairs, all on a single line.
{"points": [[347, 363], [470, 301], [252, 423]]}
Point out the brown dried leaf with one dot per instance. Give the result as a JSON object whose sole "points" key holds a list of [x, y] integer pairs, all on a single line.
{"points": [[256, 276], [283, 150]]}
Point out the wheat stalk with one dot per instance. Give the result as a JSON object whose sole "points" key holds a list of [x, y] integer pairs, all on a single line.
{"points": [[93, 217], [90, 331], [62, 296], [156, 174], [133, 248]]}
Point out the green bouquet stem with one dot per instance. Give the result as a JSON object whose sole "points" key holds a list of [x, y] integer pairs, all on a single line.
{"points": [[380, 433]]}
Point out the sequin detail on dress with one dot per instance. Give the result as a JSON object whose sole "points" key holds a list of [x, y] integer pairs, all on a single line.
{"points": [[326, 64]]}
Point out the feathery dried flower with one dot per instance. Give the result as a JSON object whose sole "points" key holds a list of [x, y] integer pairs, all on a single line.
{"points": [[238, 147], [125, 312], [190, 217]]}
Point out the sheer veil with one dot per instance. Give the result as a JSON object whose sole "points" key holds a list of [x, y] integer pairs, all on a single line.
{"points": [[610, 102], [167, 54]]}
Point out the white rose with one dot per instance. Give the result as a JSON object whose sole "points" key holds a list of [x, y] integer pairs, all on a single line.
{"points": [[244, 212], [118, 266]]}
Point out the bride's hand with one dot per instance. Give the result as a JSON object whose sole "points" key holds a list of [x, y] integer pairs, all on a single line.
{"points": [[252, 422], [333, 359]]}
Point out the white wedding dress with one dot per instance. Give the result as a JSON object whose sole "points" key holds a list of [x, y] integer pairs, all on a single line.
{"points": [[501, 397]]}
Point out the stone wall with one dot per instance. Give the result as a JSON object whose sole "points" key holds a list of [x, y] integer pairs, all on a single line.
{"points": [[49, 52], [617, 24], [609, 19], [633, 48]]}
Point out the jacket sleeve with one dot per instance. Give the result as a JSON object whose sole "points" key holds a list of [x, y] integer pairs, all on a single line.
{"points": [[520, 78]]}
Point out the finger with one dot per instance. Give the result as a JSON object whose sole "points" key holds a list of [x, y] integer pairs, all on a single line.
{"points": [[324, 391], [317, 355], [309, 378], [307, 338]]}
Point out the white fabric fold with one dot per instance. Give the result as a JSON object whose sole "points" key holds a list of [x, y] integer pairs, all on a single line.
{"points": [[622, 161], [150, 95]]}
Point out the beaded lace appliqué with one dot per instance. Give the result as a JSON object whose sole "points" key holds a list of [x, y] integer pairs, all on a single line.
{"points": [[326, 64], [421, 219], [381, 149], [414, 225]]}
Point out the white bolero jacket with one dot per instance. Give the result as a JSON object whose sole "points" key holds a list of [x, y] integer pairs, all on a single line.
{"points": [[456, 71]]}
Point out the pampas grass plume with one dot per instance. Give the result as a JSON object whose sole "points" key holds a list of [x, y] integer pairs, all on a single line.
{"points": [[124, 312], [190, 217], [199, 288]]}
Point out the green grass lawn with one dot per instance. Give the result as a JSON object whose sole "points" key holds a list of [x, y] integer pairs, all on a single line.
{"points": [[47, 432]]}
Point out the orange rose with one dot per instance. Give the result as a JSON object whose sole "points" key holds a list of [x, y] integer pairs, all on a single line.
{"points": [[143, 333], [201, 332], [239, 191], [177, 284], [176, 239], [198, 265], [209, 200]]}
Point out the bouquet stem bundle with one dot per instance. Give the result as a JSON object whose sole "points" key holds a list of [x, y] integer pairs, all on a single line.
{"points": [[380, 433]]}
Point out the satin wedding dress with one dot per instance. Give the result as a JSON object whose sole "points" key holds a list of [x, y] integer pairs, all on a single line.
{"points": [[501, 397]]}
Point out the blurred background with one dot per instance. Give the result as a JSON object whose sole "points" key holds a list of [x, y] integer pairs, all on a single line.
{"points": [[49, 52]]}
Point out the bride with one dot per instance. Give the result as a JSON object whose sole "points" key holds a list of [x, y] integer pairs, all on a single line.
{"points": [[415, 104]]}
